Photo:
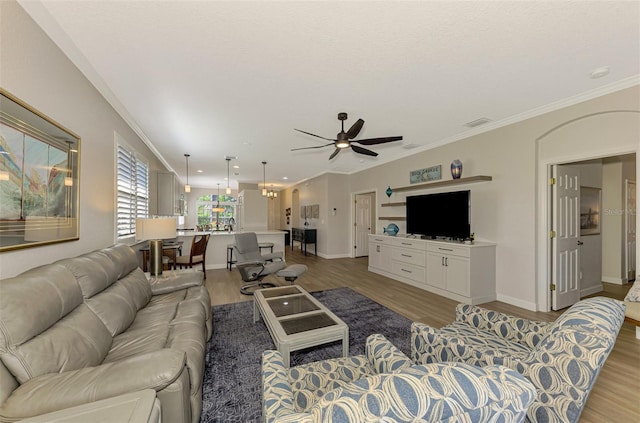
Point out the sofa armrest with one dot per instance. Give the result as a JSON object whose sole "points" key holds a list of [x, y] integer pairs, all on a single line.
{"points": [[57, 391], [523, 331], [383, 356], [277, 395], [175, 281]]}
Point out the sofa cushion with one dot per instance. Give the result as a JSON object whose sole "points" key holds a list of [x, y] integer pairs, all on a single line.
{"points": [[93, 271], [311, 381], [45, 327], [34, 301], [77, 340], [485, 341], [123, 258]]}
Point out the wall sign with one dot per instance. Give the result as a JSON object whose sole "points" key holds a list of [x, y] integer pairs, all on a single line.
{"points": [[432, 173]]}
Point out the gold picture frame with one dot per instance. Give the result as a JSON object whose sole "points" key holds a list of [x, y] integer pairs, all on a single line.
{"points": [[39, 178]]}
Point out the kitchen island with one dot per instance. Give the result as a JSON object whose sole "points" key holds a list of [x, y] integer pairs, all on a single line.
{"points": [[216, 257]]}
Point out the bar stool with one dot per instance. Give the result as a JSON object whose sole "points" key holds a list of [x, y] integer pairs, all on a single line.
{"points": [[230, 260]]}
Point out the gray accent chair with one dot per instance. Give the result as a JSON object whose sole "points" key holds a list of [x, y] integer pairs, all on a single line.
{"points": [[254, 266]]}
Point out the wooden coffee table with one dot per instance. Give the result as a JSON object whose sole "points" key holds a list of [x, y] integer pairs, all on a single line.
{"points": [[296, 320]]}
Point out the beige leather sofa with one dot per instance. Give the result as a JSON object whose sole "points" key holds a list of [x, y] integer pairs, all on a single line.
{"points": [[93, 327]]}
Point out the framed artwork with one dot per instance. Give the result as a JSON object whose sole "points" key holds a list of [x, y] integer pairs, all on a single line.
{"points": [[39, 178], [315, 211], [590, 204]]}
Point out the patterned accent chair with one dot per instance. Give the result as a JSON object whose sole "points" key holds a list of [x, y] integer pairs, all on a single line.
{"points": [[562, 359], [383, 385]]}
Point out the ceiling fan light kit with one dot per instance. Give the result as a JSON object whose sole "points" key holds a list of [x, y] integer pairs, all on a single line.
{"points": [[345, 139]]}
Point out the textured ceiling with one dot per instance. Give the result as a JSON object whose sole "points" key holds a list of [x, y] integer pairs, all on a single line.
{"points": [[216, 79]]}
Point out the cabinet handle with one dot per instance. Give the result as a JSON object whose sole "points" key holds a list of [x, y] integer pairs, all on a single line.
{"points": [[379, 240], [405, 255], [407, 243], [444, 249], [377, 248], [446, 261], [405, 270], [442, 261]]}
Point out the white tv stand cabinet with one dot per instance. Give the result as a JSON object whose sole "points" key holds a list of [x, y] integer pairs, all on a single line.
{"points": [[462, 272]]}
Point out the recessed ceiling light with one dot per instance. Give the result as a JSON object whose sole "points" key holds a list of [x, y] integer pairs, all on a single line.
{"points": [[599, 72], [236, 167], [285, 178], [226, 179], [199, 171]]}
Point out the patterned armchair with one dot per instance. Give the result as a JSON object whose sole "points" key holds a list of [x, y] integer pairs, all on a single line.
{"points": [[383, 384], [562, 359]]}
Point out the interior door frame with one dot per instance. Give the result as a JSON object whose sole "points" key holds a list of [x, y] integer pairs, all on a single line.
{"points": [[352, 216], [543, 223]]}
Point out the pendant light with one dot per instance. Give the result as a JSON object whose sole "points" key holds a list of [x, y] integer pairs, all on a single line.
{"points": [[264, 179], [272, 194], [228, 191], [217, 208], [187, 188]]}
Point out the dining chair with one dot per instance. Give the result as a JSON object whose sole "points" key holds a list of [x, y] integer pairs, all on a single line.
{"points": [[197, 254]]}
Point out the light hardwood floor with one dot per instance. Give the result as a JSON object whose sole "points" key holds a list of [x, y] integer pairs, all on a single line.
{"points": [[614, 398]]}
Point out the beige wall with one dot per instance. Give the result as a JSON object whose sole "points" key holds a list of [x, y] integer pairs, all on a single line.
{"points": [[37, 72], [511, 209]]}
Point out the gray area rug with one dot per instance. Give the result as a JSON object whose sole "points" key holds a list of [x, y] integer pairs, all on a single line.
{"points": [[232, 388]]}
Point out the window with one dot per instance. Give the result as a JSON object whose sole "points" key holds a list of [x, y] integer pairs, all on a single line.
{"points": [[133, 191], [209, 219]]}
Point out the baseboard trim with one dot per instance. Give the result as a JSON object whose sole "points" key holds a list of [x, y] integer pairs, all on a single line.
{"points": [[517, 302], [613, 279], [591, 290]]}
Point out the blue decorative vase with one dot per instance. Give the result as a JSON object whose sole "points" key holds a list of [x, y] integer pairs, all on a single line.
{"points": [[389, 191], [456, 169], [391, 229]]}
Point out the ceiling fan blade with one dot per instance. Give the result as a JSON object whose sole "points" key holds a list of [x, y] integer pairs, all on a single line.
{"points": [[372, 141], [363, 151], [355, 129], [313, 135], [335, 153], [317, 146]]}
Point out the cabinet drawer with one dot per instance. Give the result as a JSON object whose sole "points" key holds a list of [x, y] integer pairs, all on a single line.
{"points": [[379, 239], [454, 250], [415, 273], [404, 255], [409, 243]]}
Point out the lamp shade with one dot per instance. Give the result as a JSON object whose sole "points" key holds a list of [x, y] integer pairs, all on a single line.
{"points": [[155, 228]]}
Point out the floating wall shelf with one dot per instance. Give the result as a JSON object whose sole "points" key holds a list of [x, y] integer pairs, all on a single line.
{"points": [[469, 180], [398, 218], [403, 203]]}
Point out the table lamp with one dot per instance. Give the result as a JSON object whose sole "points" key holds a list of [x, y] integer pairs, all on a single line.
{"points": [[154, 230]]}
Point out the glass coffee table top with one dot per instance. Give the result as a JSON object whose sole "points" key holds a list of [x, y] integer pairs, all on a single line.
{"points": [[307, 323], [292, 304], [280, 291]]}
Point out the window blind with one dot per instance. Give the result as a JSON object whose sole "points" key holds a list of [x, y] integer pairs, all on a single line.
{"points": [[133, 191]]}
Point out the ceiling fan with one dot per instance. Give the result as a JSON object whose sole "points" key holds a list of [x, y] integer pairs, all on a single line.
{"points": [[345, 139]]}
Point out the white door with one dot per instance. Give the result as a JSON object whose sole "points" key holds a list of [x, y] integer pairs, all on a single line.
{"points": [[630, 233], [565, 259], [362, 224]]}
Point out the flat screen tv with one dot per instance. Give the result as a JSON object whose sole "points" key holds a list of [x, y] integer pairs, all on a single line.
{"points": [[441, 215]]}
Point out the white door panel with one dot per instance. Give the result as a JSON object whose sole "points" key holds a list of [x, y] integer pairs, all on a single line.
{"points": [[362, 224], [566, 243]]}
